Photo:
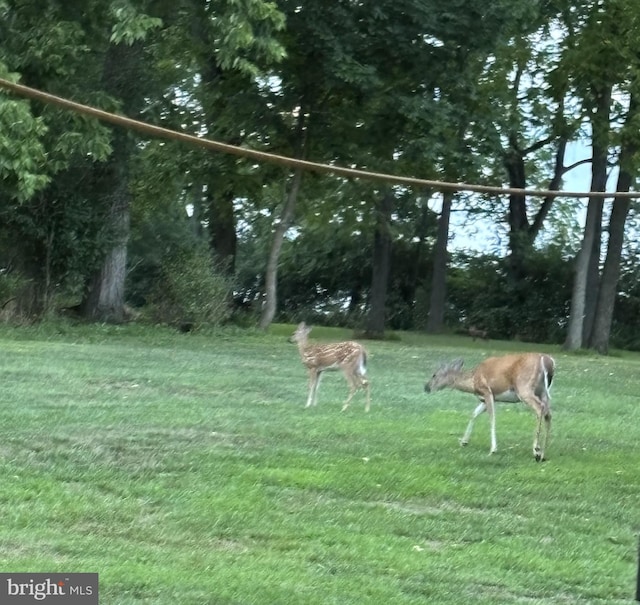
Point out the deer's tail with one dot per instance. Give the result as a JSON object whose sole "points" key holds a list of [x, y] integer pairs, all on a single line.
{"points": [[362, 361], [549, 369]]}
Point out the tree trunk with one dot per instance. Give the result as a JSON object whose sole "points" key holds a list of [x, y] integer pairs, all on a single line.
{"points": [[584, 288], [381, 261], [27, 260], [611, 272], [435, 318], [593, 276], [554, 185], [610, 275], [104, 292], [222, 230], [271, 273], [270, 304], [578, 298], [522, 233], [104, 299], [518, 222], [221, 170], [423, 229]]}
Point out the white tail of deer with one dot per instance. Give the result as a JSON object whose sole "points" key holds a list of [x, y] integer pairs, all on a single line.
{"points": [[523, 377], [350, 357]]}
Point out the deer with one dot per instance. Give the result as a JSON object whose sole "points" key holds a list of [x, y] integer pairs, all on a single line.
{"points": [[478, 333], [348, 356], [525, 377]]}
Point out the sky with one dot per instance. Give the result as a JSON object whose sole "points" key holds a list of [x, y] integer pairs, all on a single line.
{"points": [[482, 235]]}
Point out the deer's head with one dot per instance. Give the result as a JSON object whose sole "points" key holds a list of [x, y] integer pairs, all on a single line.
{"points": [[301, 334], [444, 376]]}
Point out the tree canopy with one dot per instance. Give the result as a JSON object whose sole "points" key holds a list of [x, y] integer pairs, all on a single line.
{"points": [[107, 223]]}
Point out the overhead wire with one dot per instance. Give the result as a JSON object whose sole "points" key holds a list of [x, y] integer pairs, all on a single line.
{"points": [[263, 156]]}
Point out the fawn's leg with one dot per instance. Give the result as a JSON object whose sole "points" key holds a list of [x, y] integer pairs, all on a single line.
{"points": [[314, 383], [367, 387]]}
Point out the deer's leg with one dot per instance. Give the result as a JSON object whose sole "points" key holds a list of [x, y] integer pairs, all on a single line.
{"points": [[481, 408], [314, 383], [540, 445], [367, 387], [353, 387], [543, 414], [362, 379], [491, 409], [352, 391], [547, 422], [538, 452]]}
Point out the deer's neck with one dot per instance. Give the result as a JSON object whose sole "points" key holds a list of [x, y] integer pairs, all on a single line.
{"points": [[305, 349], [464, 382]]}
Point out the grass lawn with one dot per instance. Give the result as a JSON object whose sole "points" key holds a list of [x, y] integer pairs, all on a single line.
{"points": [[184, 469]]}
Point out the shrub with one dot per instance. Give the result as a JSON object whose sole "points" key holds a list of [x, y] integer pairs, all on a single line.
{"points": [[11, 289], [190, 293]]}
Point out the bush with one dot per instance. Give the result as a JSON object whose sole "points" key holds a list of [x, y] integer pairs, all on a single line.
{"points": [[11, 288], [534, 309], [190, 293]]}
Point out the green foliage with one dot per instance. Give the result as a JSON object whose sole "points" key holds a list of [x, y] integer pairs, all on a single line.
{"points": [[320, 275], [22, 154], [240, 28], [190, 293], [130, 26], [534, 310], [625, 330], [11, 287], [74, 140]]}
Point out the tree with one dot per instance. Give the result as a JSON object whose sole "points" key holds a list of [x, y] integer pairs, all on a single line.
{"points": [[469, 89], [380, 265], [370, 81], [528, 133], [599, 77], [227, 90], [619, 212], [104, 295], [437, 300], [95, 52], [271, 272], [48, 48]]}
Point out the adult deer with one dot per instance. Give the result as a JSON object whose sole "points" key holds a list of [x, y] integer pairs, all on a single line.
{"points": [[349, 356], [523, 377]]}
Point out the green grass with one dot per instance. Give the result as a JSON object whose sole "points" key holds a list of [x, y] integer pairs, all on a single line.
{"points": [[184, 469]]}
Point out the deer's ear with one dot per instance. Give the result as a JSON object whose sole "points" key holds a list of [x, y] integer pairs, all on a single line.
{"points": [[457, 364]]}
